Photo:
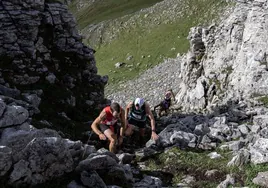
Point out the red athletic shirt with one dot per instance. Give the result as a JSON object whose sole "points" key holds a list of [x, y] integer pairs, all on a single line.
{"points": [[110, 119]]}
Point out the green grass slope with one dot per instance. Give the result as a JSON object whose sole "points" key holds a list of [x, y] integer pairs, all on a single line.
{"points": [[149, 37], [89, 13]]}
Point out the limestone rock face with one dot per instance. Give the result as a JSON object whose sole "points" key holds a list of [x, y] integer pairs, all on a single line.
{"points": [[227, 61], [47, 77], [44, 63], [41, 160]]}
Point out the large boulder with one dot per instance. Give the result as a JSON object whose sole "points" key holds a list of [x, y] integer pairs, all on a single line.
{"points": [[43, 61]]}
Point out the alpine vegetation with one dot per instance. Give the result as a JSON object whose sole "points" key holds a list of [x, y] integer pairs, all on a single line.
{"points": [[213, 134]]}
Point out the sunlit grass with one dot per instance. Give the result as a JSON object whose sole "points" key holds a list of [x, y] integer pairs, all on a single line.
{"points": [[106, 9], [149, 45]]}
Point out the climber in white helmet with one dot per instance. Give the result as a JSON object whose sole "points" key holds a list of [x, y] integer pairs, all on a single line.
{"points": [[136, 115]]}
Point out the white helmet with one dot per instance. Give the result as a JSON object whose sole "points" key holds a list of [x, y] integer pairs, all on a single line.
{"points": [[139, 102]]}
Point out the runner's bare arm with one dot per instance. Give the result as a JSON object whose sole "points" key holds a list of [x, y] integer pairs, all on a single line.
{"points": [[123, 122], [127, 109], [151, 116], [97, 121]]}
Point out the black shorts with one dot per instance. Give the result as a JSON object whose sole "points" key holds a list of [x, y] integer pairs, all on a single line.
{"points": [[140, 124], [104, 127]]}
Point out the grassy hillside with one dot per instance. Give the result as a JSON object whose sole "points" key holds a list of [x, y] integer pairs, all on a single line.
{"points": [[149, 37], [87, 13]]}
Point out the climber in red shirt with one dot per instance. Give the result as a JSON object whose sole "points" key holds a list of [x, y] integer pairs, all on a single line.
{"points": [[106, 125]]}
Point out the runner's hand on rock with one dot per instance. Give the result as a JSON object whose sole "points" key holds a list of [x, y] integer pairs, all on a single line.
{"points": [[102, 136], [154, 136]]}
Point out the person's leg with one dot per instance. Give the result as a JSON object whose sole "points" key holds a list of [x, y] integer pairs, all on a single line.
{"points": [[112, 138], [141, 138], [142, 126], [132, 131], [131, 127], [157, 106], [103, 127], [167, 108], [160, 111], [166, 111], [129, 130], [142, 132]]}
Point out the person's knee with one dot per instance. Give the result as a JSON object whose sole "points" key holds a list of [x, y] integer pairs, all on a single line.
{"points": [[128, 133], [113, 139], [142, 132], [129, 130]]}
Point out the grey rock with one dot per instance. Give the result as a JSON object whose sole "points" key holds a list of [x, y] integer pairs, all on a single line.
{"points": [[40, 44], [201, 129], [119, 64], [2, 107], [106, 152], [243, 129], [258, 151], [21, 170], [255, 128], [128, 173], [17, 139], [241, 158], [51, 78], [14, 115], [236, 145], [129, 57], [149, 181], [228, 181], [14, 93], [145, 153], [40, 160], [214, 155], [88, 149], [188, 180], [5, 159], [261, 179], [264, 132], [261, 120], [126, 158], [212, 173], [74, 184], [206, 143], [96, 162], [32, 99], [92, 179]]}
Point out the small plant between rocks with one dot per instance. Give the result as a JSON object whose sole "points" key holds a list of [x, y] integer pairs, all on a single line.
{"points": [[203, 171], [264, 100]]}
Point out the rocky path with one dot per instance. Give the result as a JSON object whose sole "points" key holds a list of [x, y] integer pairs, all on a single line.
{"points": [[150, 85]]}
